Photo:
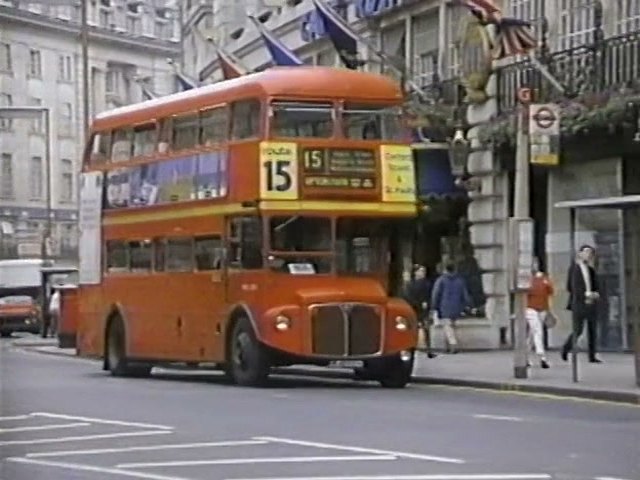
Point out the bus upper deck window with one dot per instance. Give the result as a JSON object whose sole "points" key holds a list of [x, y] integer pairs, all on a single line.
{"points": [[100, 147], [367, 122], [144, 140], [302, 119], [245, 121], [214, 126], [122, 145], [185, 132]]}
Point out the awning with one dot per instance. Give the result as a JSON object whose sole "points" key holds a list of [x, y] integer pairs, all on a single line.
{"points": [[433, 172], [617, 202]]}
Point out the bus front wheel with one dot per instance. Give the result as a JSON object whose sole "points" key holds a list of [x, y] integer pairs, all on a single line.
{"points": [[248, 363], [117, 361], [393, 372]]}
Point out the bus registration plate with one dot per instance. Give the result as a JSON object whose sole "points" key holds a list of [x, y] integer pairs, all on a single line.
{"points": [[346, 364]]}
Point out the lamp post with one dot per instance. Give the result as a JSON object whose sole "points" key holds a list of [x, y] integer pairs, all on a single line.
{"points": [[36, 113], [84, 39]]}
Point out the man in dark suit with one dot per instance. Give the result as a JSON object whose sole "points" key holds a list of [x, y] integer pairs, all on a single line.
{"points": [[584, 293]]}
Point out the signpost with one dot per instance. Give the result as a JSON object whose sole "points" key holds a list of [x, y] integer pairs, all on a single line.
{"points": [[544, 134]]}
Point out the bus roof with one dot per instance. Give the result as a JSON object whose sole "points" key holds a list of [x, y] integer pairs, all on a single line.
{"points": [[292, 82]]}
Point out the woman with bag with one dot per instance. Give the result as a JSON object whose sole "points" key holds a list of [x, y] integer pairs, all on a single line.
{"points": [[538, 310]]}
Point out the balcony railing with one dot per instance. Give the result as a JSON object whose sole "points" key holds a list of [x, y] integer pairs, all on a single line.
{"points": [[610, 65]]}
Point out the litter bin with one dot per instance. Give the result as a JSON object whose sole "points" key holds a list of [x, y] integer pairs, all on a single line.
{"points": [[68, 322]]}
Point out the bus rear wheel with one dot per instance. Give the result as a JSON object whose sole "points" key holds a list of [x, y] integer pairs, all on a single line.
{"points": [[117, 361], [248, 362]]}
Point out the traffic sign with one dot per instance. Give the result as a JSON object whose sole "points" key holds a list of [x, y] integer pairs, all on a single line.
{"points": [[544, 119]]}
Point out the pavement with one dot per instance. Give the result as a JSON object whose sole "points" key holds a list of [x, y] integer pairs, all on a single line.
{"points": [[62, 418], [613, 380]]}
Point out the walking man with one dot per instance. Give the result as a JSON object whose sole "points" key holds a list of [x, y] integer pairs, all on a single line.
{"points": [[538, 304], [584, 293], [449, 299]]}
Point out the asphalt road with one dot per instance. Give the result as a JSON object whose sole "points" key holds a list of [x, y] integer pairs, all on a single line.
{"points": [[65, 419]]}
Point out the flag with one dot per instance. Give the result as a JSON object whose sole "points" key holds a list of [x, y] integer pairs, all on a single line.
{"points": [[513, 36], [231, 67], [147, 93], [344, 39], [281, 54], [184, 82]]}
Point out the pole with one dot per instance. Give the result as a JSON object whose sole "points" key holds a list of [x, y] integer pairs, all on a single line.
{"points": [[521, 211], [574, 336], [84, 40]]}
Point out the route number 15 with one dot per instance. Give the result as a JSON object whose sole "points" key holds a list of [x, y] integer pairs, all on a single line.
{"points": [[279, 173]]}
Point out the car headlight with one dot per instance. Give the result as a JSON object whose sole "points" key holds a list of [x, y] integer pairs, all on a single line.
{"points": [[283, 323], [402, 324]]}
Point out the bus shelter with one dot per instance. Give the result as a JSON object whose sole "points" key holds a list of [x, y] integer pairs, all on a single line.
{"points": [[629, 206]]}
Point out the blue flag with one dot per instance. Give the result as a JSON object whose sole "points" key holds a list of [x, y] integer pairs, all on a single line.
{"points": [[184, 82], [282, 55], [344, 39]]}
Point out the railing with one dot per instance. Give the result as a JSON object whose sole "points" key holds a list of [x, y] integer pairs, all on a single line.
{"points": [[606, 66]]}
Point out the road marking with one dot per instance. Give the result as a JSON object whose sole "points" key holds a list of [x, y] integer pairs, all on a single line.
{"points": [[609, 478], [245, 461], [40, 441], [482, 476], [497, 417], [100, 420], [362, 450], [15, 417], [95, 469], [44, 427], [99, 451]]}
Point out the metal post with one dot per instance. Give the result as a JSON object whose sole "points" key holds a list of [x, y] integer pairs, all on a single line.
{"points": [[521, 211], [84, 40], [574, 336]]}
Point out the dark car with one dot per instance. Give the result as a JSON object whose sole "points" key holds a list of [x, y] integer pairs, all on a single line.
{"points": [[19, 313]]}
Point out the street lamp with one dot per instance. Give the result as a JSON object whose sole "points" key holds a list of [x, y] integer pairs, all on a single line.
{"points": [[36, 113], [459, 149]]}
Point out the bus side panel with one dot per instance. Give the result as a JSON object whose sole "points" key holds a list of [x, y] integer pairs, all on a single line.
{"points": [[244, 173], [92, 312]]}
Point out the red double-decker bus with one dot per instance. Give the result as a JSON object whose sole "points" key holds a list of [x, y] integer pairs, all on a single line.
{"points": [[251, 224]]}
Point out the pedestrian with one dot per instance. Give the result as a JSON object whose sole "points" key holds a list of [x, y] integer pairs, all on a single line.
{"points": [[538, 309], [449, 300], [584, 293], [418, 296], [54, 313]]}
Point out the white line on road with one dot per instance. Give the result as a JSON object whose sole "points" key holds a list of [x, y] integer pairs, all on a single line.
{"points": [[362, 450], [103, 421], [82, 438], [483, 476], [91, 468], [34, 428], [249, 461], [609, 478], [497, 417], [15, 417], [100, 451]]}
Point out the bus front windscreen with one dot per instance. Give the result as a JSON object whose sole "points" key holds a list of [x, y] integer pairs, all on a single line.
{"points": [[300, 245]]}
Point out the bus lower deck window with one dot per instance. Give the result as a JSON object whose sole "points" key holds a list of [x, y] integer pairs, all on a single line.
{"points": [[179, 255], [117, 256], [141, 256], [208, 253]]}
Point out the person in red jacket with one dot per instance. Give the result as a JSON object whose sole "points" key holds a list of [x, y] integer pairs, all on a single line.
{"points": [[538, 305]]}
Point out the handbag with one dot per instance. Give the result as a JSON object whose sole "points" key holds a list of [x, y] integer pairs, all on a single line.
{"points": [[550, 320]]}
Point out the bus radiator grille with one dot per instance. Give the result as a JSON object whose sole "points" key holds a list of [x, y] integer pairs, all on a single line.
{"points": [[341, 330]]}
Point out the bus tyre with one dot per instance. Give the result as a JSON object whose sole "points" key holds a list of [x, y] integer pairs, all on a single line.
{"points": [[248, 363], [5, 333], [395, 373], [115, 351]]}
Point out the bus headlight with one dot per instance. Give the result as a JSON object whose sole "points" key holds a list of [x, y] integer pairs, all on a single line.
{"points": [[283, 323], [402, 324]]}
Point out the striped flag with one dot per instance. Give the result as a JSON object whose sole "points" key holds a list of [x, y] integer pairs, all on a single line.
{"points": [[513, 36], [231, 67], [281, 55], [344, 39]]}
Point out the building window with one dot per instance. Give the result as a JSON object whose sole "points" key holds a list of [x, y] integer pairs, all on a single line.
{"points": [[112, 81], [134, 24], [5, 57], [628, 16], [37, 125], [576, 20], [456, 14], [6, 100], [35, 178], [66, 186], [35, 63], [65, 127], [65, 68], [425, 47], [6, 176]]}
